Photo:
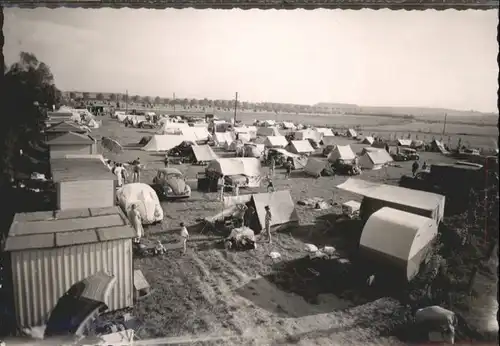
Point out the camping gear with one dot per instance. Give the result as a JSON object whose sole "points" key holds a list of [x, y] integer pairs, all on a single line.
{"points": [[146, 199], [253, 150], [163, 142], [248, 167], [374, 159], [341, 152], [241, 238], [111, 145], [398, 239], [351, 209], [302, 147], [439, 323]]}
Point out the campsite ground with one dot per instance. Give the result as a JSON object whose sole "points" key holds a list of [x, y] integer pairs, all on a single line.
{"points": [[211, 292]]}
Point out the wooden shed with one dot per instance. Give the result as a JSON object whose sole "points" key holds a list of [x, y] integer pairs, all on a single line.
{"points": [[62, 128], [51, 251], [83, 183], [72, 143]]}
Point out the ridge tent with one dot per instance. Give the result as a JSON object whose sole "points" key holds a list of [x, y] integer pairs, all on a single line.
{"points": [[377, 196], [341, 152], [398, 239], [314, 167], [351, 133], [325, 131], [163, 142], [369, 149], [374, 159], [247, 166], [221, 138], [275, 142], [328, 140], [243, 136], [403, 142], [203, 153], [282, 210], [268, 131], [300, 147], [437, 146], [368, 140], [308, 134], [288, 125], [253, 149]]}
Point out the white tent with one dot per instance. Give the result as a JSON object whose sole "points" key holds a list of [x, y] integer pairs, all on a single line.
{"points": [[221, 138], [404, 142], [368, 140], [163, 142], [398, 237], [268, 131], [325, 131], [275, 142], [288, 125], [341, 152], [248, 166], [374, 159], [308, 134], [300, 147], [351, 133]]}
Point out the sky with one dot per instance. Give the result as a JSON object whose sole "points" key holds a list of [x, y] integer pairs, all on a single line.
{"points": [[445, 59]]}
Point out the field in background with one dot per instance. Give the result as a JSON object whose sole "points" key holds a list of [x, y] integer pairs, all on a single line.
{"points": [[483, 136]]}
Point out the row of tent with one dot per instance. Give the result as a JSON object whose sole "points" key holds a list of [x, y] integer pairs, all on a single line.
{"points": [[369, 158], [79, 116]]}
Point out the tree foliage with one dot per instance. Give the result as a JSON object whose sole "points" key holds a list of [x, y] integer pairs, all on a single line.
{"points": [[29, 91]]}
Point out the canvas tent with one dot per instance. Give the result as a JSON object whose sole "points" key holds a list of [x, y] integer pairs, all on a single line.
{"points": [[403, 142], [268, 131], [341, 152], [275, 142], [374, 159], [288, 125], [299, 161], [314, 167], [351, 133], [377, 196], [324, 131], [308, 134], [328, 140], [221, 138], [438, 146], [281, 206], [300, 147], [203, 153], [247, 166], [368, 140], [163, 142], [398, 239]]}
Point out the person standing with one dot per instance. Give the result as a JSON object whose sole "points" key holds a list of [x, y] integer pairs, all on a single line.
{"points": [[288, 169], [184, 237], [250, 214], [268, 223], [220, 187], [136, 221], [272, 166], [424, 166], [236, 189], [136, 167], [118, 171], [167, 161], [270, 184], [414, 167]]}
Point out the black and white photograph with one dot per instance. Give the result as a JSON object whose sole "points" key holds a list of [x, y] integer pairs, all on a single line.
{"points": [[249, 177]]}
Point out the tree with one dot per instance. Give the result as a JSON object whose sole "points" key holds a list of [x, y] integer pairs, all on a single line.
{"points": [[99, 97], [113, 97], [146, 99], [135, 98], [185, 103], [85, 96], [29, 93], [193, 103], [157, 100], [72, 95]]}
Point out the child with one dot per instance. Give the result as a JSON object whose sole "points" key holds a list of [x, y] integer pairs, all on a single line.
{"points": [[184, 237], [159, 248]]}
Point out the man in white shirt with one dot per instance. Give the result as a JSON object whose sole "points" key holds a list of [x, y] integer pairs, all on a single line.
{"points": [[184, 237], [220, 186]]}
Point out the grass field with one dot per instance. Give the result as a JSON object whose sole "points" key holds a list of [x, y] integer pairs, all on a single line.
{"points": [[476, 133], [211, 292]]}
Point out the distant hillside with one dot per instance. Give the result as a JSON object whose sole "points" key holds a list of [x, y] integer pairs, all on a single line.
{"points": [[422, 111]]}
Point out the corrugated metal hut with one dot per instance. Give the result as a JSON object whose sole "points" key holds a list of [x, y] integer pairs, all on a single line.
{"points": [[83, 183], [72, 143], [51, 251]]}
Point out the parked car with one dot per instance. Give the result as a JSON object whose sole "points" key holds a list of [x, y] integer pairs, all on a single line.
{"points": [[327, 150], [146, 125], [170, 183], [405, 154]]}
